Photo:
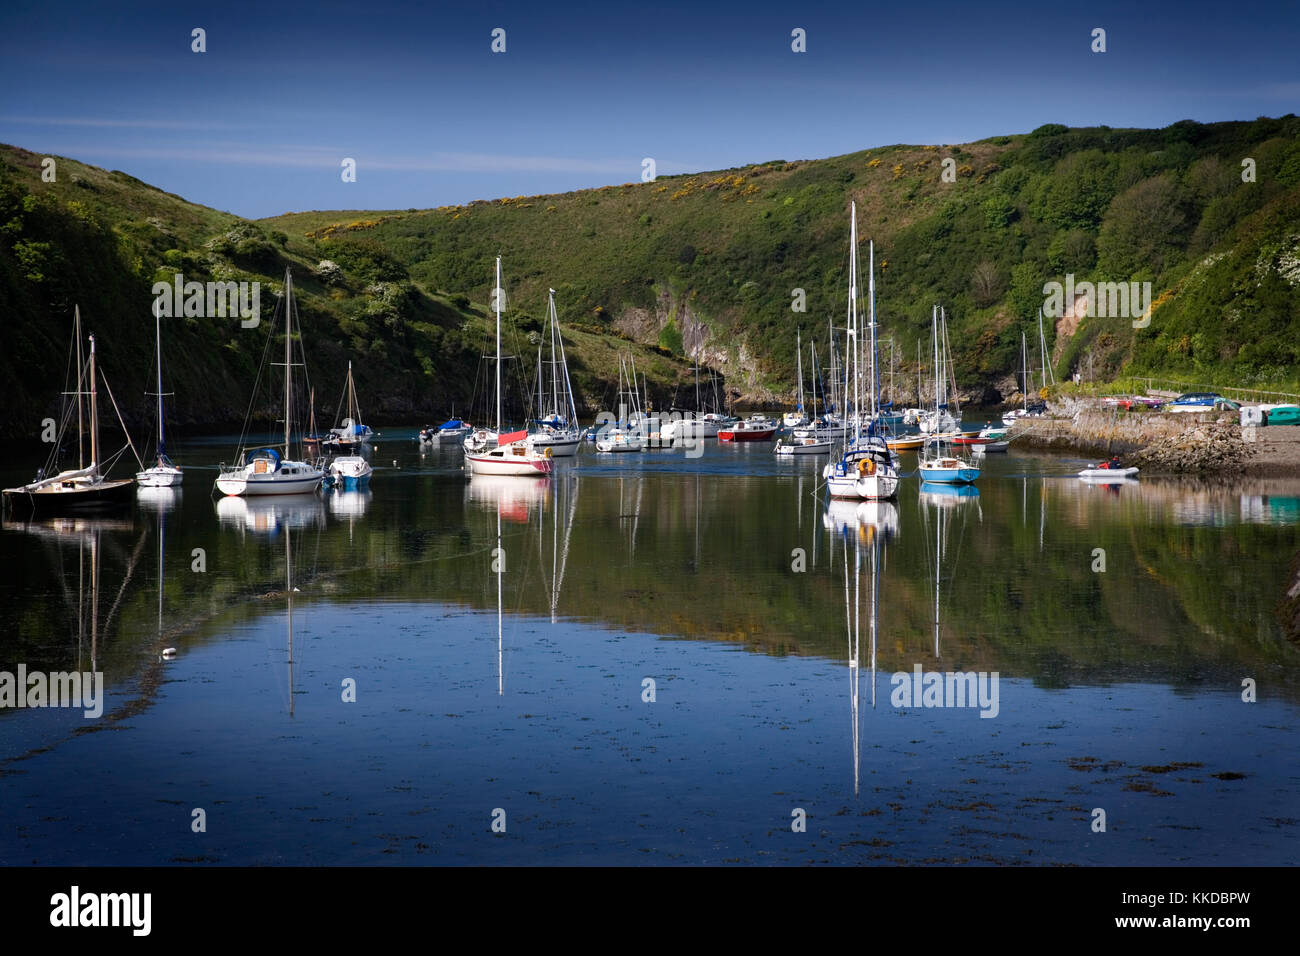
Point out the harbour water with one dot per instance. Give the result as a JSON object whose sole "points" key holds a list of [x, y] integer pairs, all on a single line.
{"points": [[671, 677]]}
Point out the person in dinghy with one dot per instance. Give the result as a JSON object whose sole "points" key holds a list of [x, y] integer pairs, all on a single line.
{"points": [[1113, 464]]}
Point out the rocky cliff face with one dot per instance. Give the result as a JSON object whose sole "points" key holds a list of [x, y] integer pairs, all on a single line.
{"points": [[734, 361]]}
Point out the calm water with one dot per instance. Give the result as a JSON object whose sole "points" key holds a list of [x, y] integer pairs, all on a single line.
{"points": [[723, 580]]}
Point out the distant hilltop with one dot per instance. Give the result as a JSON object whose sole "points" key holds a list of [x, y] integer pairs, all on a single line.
{"points": [[718, 268]]}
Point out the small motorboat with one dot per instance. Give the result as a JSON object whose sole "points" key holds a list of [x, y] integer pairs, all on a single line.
{"points": [[749, 430], [350, 472], [802, 446], [619, 440], [905, 442], [990, 446], [451, 431], [1105, 471]]}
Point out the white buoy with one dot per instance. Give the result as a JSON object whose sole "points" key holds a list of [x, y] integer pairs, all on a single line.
{"points": [[168, 653]]}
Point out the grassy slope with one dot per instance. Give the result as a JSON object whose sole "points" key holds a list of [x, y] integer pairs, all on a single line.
{"points": [[100, 239], [701, 264], [730, 246]]}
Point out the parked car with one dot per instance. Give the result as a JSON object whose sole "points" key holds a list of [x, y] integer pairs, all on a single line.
{"points": [[1226, 405], [1282, 415], [1194, 402]]}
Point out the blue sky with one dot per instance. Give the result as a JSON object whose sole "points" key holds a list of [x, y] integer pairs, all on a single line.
{"points": [[259, 124]]}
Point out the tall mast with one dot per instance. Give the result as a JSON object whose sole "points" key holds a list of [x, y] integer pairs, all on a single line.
{"points": [[555, 372], [497, 296], [1024, 371], [76, 337], [288, 355], [1042, 348], [572, 409], [871, 285], [950, 374], [94, 416], [934, 324], [798, 354], [852, 346], [158, 338]]}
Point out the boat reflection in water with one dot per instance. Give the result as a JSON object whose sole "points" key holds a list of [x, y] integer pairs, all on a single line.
{"points": [[270, 514], [349, 504], [945, 495], [949, 503], [515, 501], [158, 500], [843, 516], [564, 505], [85, 539], [863, 529]]}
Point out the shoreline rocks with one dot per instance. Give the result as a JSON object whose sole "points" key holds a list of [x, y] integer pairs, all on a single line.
{"points": [[1169, 444]]}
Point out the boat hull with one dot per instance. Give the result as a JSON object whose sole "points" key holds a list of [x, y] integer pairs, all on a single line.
{"points": [[101, 495], [863, 487], [260, 486], [736, 434], [1117, 474], [804, 448], [631, 444], [905, 444], [519, 466], [949, 476], [560, 447], [159, 478]]}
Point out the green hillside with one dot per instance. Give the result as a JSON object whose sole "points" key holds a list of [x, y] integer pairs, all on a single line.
{"points": [[689, 266]]}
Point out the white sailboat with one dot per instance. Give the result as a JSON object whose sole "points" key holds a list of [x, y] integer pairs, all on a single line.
{"points": [[350, 472], [85, 486], [512, 454], [865, 469], [163, 473], [621, 437], [940, 421], [796, 418], [557, 414], [350, 433], [265, 471]]}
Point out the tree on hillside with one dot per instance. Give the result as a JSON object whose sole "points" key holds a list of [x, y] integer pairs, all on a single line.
{"points": [[1140, 232]]}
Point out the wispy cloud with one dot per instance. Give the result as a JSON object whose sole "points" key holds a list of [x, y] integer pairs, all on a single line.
{"points": [[101, 123]]}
